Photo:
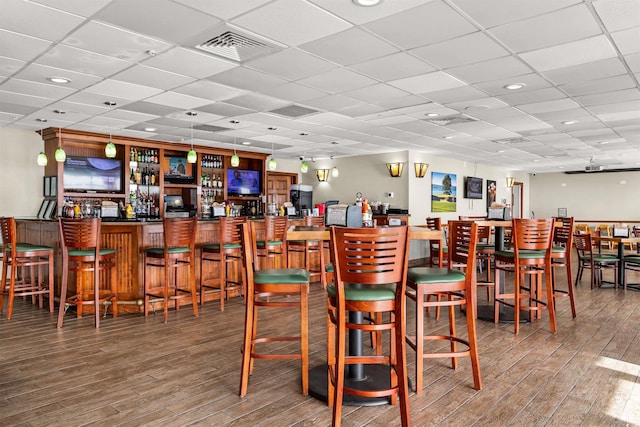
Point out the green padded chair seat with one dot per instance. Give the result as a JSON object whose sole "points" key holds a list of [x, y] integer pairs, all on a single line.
{"points": [[632, 258], [434, 275], [329, 268], [524, 254], [360, 292], [559, 249], [600, 258], [281, 275], [303, 241], [178, 250], [216, 246], [27, 247], [485, 246], [90, 252], [261, 243]]}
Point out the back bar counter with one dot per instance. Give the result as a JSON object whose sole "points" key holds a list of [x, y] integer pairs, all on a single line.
{"points": [[130, 239]]}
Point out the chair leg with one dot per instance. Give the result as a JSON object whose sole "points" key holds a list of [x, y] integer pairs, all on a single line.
{"points": [[420, 296], [247, 345], [166, 292], [339, 367], [473, 344], [304, 336], [114, 291], [452, 332], [331, 355], [401, 366], [550, 304], [192, 281], [63, 292], [51, 284], [96, 291]]}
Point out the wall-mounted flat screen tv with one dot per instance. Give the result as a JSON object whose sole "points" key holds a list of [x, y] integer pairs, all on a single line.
{"points": [[473, 187], [88, 174], [242, 182], [178, 170]]}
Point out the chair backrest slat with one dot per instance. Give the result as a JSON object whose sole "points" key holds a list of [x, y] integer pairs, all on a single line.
{"points": [[230, 229], [276, 227], [532, 234], [80, 233], [179, 232]]}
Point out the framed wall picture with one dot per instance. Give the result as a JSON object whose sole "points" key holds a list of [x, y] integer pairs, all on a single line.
{"points": [[443, 192], [43, 208], [46, 186], [562, 212], [51, 210], [53, 186]]}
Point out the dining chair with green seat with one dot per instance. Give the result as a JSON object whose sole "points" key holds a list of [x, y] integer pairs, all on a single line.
{"points": [[178, 251], [454, 288], [310, 247], [594, 260], [530, 257], [370, 266], [632, 261], [274, 244], [275, 288], [19, 255], [561, 258]]}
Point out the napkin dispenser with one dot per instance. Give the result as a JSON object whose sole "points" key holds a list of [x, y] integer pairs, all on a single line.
{"points": [[344, 215]]}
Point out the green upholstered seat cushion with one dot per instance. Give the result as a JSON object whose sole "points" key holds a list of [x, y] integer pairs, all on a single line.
{"points": [[178, 250], [90, 252], [328, 268], [360, 292], [559, 249], [635, 259], [27, 247], [261, 243], [216, 246], [485, 246], [303, 241], [522, 254], [600, 258], [434, 275], [281, 275]]}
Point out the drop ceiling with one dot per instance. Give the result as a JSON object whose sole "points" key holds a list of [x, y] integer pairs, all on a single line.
{"points": [[321, 78]]}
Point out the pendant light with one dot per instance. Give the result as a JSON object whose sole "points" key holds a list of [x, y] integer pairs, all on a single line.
{"points": [[235, 160], [60, 155], [110, 148], [192, 156], [42, 157], [334, 170], [304, 166], [272, 161]]}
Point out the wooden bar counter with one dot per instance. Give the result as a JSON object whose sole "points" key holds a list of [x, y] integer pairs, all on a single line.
{"points": [[130, 239]]}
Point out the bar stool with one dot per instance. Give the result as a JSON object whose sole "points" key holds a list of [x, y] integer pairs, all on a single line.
{"points": [[272, 288], [229, 250], [310, 247], [16, 254], [437, 257], [561, 257], [82, 251], [274, 245], [531, 256], [370, 266], [178, 251], [453, 288]]}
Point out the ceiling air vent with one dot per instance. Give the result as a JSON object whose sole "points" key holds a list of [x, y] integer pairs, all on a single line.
{"points": [[294, 111], [233, 43], [210, 128], [515, 140], [450, 120]]}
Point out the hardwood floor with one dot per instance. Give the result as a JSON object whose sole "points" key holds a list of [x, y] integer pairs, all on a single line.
{"points": [[138, 371]]}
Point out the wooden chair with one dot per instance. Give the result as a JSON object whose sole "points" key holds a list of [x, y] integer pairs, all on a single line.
{"points": [[178, 252], [435, 223], [593, 260], [530, 257], [582, 228], [274, 244], [632, 261], [272, 288], [370, 276], [227, 251], [454, 288], [604, 230], [16, 255], [485, 251], [311, 247], [561, 258], [82, 251]]}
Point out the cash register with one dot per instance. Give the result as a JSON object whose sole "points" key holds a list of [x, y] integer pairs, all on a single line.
{"points": [[174, 207]]}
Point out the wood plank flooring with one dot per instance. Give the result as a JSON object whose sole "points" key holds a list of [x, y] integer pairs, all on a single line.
{"points": [[137, 371]]}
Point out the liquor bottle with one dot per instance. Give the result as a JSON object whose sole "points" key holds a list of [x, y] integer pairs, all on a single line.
{"points": [[132, 177], [132, 155]]}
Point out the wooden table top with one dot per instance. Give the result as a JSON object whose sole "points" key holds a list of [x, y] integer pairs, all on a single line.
{"points": [[298, 232]]}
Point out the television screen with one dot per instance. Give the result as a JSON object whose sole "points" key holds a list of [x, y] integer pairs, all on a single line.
{"points": [[473, 188], [178, 170], [92, 174], [243, 182]]}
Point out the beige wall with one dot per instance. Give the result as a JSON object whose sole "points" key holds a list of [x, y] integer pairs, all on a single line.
{"points": [[20, 176], [611, 196]]}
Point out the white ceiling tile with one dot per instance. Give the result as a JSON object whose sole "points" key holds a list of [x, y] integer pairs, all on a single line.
{"points": [[449, 96], [109, 88], [82, 8], [189, 63], [210, 90], [338, 80], [349, 47], [528, 97], [294, 92], [20, 46], [225, 110], [495, 12], [600, 85], [36, 20], [40, 73], [37, 89], [494, 69], [291, 64], [22, 99], [587, 71], [393, 67], [426, 83], [609, 97], [562, 26], [361, 15], [545, 106], [179, 100], [463, 50], [275, 21], [431, 23], [82, 61], [628, 41], [149, 76], [531, 82], [574, 53], [225, 9], [257, 102], [377, 92], [245, 78], [618, 14]]}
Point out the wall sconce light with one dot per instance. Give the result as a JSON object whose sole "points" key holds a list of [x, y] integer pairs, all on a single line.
{"points": [[510, 181], [395, 169], [110, 149], [322, 174], [421, 169]]}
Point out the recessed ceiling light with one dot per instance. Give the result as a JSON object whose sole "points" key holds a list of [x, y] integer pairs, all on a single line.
{"points": [[272, 128], [500, 151], [366, 3], [570, 122], [61, 80], [604, 142], [41, 120], [110, 103], [246, 143], [514, 86], [191, 113], [59, 112], [432, 114], [150, 129], [151, 52], [235, 122], [447, 137], [304, 133]]}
